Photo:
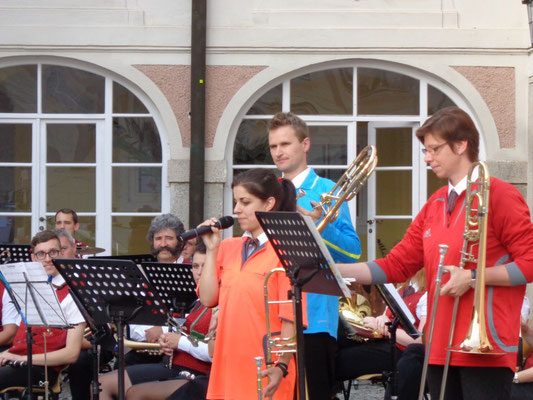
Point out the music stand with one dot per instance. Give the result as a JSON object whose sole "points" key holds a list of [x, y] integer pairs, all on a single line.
{"points": [[136, 258], [36, 301], [308, 264], [174, 283], [402, 317], [113, 291], [12, 253]]}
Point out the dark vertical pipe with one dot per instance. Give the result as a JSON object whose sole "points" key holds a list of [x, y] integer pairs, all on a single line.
{"points": [[197, 155]]}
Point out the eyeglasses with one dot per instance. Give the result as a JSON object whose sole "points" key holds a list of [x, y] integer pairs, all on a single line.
{"points": [[41, 255], [433, 150]]}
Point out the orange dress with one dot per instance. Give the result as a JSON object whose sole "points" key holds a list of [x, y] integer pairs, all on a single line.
{"points": [[242, 323]]}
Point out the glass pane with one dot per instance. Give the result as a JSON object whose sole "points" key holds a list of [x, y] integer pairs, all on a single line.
{"points": [[129, 235], [15, 189], [136, 140], [86, 233], [381, 92], [388, 233], [269, 103], [125, 101], [72, 91], [136, 189], [15, 230], [437, 100], [251, 143], [434, 183], [70, 143], [393, 192], [323, 92], [328, 145], [70, 187], [18, 89], [15, 143], [394, 146]]}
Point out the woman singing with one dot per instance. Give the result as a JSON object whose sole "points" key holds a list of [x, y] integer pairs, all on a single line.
{"points": [[233, 279]]}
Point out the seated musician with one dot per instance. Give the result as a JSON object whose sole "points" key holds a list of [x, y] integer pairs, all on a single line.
{"points": [[163, 235], [63, 346], [187, 358], [374, 357]]}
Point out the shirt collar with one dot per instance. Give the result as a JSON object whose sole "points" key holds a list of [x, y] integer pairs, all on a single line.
{"points": [[58, 280], [262, 237], [299, 179], [461, 186]]}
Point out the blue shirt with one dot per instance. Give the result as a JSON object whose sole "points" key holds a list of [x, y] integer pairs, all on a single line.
{"points": [[344, 246]]}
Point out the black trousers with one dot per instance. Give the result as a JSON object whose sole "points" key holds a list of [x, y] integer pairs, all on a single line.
{"points": [[10, 376], [363, 358], [193, 390], [80, 374], [409, 369], [466, 383], [320, 349], [522, 391]]}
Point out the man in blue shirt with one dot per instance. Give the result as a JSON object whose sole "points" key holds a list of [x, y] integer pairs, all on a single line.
{"points": [[289, 142]]}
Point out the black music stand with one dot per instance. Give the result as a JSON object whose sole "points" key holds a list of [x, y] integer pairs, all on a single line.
{"points": [[12, 253], [36, 301], [308, 265], [113, 291], [402, 317], [174, 283], [136, 258]]}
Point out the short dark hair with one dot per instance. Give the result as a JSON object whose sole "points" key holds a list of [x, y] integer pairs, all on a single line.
{"points": [[453, 125], [200, 247], [289, 119], [263, 183], [68, 211], [43, 237], [162, 222]]}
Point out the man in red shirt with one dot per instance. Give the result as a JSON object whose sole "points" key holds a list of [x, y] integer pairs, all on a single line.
{"points": [[451, 145], [67, 219]]}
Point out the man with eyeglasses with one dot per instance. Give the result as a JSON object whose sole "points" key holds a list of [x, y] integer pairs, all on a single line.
{"points": [[451, 143], [67, 219], [63, 346]]}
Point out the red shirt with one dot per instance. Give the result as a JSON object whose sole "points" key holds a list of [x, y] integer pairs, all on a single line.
{"points": [[509, 243]]}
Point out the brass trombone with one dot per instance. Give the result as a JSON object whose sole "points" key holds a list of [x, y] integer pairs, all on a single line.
{"points": [[348, 185], [474, 235], [346, 189]]}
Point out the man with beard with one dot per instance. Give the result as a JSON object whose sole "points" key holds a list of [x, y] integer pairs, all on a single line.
{"points": [[163, 235]]}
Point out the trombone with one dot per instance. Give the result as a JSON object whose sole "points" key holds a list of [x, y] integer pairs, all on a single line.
{"points": [[345, 189], [474, 235]]}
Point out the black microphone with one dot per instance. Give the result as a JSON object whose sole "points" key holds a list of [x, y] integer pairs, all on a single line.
{"points": [[222, 223]]}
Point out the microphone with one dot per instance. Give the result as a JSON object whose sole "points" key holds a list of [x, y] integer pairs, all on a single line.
{"points": [[222, 223]]}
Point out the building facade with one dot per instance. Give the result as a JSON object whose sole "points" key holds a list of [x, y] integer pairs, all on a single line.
{"points": [[95, 102]]}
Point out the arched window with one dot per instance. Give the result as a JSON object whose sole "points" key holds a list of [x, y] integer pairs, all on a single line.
{"points": [[346, 109], [75, 138]]}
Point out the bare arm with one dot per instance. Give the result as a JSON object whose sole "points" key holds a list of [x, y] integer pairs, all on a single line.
{"points": [[67, 355], [208, 287], [8, 334], [359, 271]]}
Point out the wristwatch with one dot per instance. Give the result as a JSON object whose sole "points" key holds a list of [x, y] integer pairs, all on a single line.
{"points": [[515, 379], [473, 280]]}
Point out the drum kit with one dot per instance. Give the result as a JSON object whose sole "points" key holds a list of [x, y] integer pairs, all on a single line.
{"points": [[83, 251]]}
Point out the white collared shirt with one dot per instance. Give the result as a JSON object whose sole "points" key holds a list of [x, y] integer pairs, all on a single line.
{"points": [[461, 186], [262, 237], [299, 179]]}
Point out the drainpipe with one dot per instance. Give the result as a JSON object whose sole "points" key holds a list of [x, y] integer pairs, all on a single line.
{"points": [[197, 153]]}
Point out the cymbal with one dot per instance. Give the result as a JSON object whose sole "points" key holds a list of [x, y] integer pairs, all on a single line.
{"points": [[89, 250]]}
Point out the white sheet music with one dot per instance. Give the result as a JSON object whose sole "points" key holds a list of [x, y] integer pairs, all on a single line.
{"points": [[394, 293], [37, 300]]}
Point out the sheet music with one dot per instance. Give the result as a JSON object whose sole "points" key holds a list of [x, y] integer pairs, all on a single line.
{"points": [[42, 301], [394, 293], [325, 252]]}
